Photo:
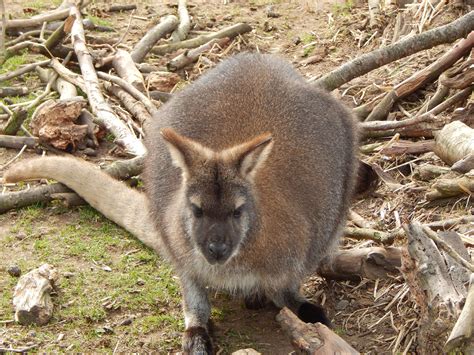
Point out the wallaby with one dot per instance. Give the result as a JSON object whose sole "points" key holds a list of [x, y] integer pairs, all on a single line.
{"points": [[249, 176]]}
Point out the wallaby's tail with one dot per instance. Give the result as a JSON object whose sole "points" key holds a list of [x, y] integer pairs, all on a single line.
{"points": [[115, 200]]}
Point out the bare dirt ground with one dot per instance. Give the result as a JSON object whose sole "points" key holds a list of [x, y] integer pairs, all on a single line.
{"points": [[135, 306]]}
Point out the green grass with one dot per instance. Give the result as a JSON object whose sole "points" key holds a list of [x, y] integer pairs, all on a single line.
{"points": [[342, 9], [42, 4], [99, 21], [82, 243]]}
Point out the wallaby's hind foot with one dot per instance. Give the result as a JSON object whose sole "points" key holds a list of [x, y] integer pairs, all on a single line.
{"points": [[255, 301], [313, 313], [196, 341]]}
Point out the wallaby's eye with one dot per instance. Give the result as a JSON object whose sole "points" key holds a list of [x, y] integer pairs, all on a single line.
{"points": [[237, 212], [197, 211]]}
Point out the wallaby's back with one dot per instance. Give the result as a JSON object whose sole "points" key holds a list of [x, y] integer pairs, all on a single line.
{"points": [[304, 188]]}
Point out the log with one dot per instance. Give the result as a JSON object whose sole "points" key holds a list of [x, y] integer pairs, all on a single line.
{"points": [[184, 26], [443, 188], [230, 32], [437, 284], [454, 142], [312, 339], [365, 63], [104, 114], [120, 8], [462, 335], [13, 91], [448, 223], [55, 15], [427, 172], [127, 70], [143, 47], [16, 142], [32, 299], [191, 56], [408, 147], [421, 78], [359, 263]]}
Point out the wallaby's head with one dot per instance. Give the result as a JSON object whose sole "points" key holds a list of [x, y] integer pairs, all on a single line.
{"points": [[220, 206]]}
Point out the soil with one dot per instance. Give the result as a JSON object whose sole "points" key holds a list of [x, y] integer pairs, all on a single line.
{"points": [[363, 312]]}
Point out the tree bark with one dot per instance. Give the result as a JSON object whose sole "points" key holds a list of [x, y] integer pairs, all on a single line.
{"points": [[127, 70]]}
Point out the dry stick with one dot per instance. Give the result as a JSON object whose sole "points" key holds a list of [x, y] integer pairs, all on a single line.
{"points": [[191, 56], [166, 25], [54, 15], [372, 234], [17, 142], [373, 60], [127, 70], [103, 112], [230, 32], [184, 26], [135, 107], [425, 117], [25, 36], [130, 89], [13, 91], [421, 78], [23, 70], [119, 8], [448, 223], [448, 248], [68, 75], [12, 160]]}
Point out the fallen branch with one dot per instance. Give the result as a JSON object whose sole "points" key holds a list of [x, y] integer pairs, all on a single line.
{"points": [[312, 339], [230, 32], [443, 188], [100, 108], [68, 75], [421, 78], [120, 8], [427, 172], [448, 223], [425, 117], [127, 70], [13, 91], [372, 234], [23, 70], [184, 26], [15, 121], [135, 107], [358, 263], [17, 142], [373, 60], [143, 47], [131, 90], [55, 15], [191, 56]]}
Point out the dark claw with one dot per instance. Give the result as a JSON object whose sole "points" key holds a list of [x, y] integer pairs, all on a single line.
{"points": [[196, 341]]}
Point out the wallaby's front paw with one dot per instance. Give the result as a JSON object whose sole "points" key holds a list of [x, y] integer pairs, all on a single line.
{"points": [[196, 341], [313, 313]]}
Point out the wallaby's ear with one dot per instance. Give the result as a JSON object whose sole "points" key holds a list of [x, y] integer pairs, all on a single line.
{"points": [[250, 156], [184, 151]]}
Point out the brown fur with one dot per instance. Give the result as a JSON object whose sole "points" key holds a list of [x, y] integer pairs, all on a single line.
{"points": [[250, 132]]}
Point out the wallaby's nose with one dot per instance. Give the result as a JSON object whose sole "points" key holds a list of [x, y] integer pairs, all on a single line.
{"points": [[217, 250]]}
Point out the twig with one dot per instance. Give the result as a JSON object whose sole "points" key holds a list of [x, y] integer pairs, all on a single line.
{"points": [[425, 117], [122, 37], [448, 223], [447, 248], [130, 89], [8, 163], [166, 25], [23, 350], [23, 70], [184, 26], [230, 32], [373, 60]]}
